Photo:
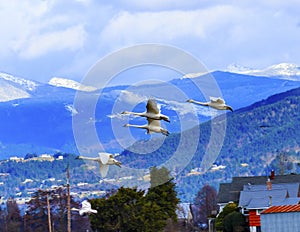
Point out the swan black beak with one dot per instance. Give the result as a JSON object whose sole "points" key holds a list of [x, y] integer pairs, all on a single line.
{"points": [[118, 164], [229, 108]]}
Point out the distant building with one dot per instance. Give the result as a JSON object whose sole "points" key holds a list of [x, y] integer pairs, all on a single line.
{"points": [[43, 157], [60, 157], [15, 158]]}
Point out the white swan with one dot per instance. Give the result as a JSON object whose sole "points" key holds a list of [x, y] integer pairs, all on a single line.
{"points": [[104, 160], [216, 103], [86, 208], [152, 126], [152, 112]]}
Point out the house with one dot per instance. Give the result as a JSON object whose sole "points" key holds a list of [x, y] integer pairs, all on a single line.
{"points": [[281, 218], [256, 198], [255, 194], [230, 192]]}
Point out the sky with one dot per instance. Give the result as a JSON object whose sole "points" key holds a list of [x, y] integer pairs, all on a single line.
{"points": [[41, 39]]}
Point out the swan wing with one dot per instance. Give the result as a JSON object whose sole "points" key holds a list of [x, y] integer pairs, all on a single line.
{"points": [[152, 106], [94, 211], [217, 100], [104, 157], [85, 205], [103, 169], [87, 158]]}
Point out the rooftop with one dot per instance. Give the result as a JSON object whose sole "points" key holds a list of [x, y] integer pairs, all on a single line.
{"points": [[282, 209], [231, 191]]}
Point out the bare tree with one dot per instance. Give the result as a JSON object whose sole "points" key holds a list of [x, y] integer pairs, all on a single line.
{"points": [[206, 204]]}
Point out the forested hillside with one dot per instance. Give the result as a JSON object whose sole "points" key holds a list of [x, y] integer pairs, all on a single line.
{"points": [[260, 137]]}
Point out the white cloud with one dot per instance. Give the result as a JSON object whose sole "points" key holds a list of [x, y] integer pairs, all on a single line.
{"points": [[71, 39], [165, 26], [131, 98], [36, 28], [217, 32]]}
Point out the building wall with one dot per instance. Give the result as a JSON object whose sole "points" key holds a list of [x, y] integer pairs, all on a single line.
{"points": [[279, 222], [254, 218]]}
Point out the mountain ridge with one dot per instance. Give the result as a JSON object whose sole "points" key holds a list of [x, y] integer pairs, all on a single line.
{"points": [[42, 122]]}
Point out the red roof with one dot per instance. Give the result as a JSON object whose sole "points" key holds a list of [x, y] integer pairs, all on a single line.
{"points": [[282, 209]]}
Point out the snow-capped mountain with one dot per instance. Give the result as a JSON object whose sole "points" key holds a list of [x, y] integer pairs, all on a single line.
{"points": [[71, 84], [283, 71], [37, 117], [12, 88], [27, 84]]}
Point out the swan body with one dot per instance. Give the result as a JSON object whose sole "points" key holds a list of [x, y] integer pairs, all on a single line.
{"points": [[86, 208], [104, 160], [153, 126], [152, 112], [216, 103]]}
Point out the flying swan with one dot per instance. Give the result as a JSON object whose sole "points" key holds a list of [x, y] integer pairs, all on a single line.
{"points": [[216, 103], [104, 160], [152, 112], [152, 126], [86, 208]]}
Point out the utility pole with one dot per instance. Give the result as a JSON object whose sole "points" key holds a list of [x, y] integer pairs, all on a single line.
{"points": [[68, 200], [49, 212]]}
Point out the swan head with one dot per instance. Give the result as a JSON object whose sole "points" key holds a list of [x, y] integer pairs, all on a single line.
{"points": [[118, 163], [229, 108], [125, 112], [165, 118], [164, 132], [127, 125], [190, 100], [78, 157]]}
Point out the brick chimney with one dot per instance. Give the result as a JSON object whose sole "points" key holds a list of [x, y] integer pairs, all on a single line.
{"points": [[272, 175], [269, 184]]}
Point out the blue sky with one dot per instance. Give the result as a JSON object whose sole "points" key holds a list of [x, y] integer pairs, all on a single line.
{"points": [[51, 38]]}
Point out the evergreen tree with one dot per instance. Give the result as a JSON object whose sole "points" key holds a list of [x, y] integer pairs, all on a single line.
{"points": [[119, 212], [130, 210], [162, 192], [234, 222], [229, 208]]}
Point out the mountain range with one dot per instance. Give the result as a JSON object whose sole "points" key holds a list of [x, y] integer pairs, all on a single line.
{"points": [[40, 117], [251, 141]]}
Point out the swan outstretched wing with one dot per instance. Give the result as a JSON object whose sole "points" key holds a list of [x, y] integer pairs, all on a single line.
{"points": [[103, 169], [104, 157], [85, 205], [217, 100], [152, 106]]}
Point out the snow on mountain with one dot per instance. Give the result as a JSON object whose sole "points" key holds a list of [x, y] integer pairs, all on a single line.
{"points": [[12, 88], [283, 70], [71, 84], [9, 92], [27, 84], [72, 109]]}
